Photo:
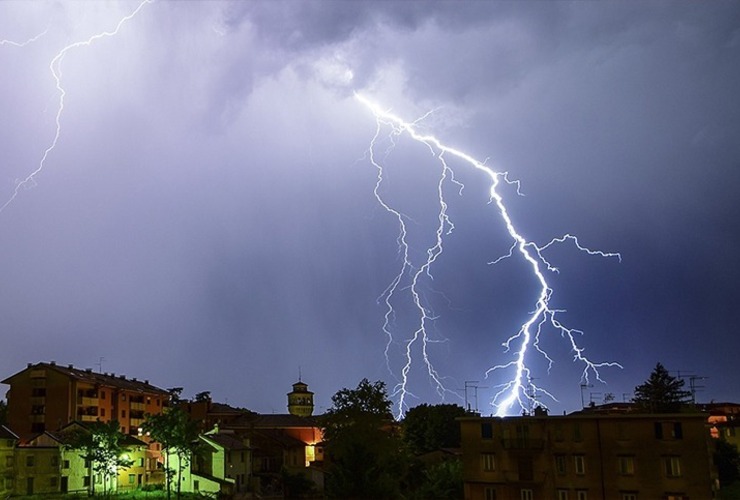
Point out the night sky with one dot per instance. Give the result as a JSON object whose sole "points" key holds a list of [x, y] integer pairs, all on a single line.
{"points": [[207, 217]]}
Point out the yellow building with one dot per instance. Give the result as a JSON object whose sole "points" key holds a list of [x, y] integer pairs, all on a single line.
{"points": [[8, 442], [587, 456]]}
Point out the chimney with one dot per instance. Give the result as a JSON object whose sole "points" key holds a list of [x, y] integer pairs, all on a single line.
{"points": [[71, 367], [134, 379], [123, 377], [88, 370], [53, 363], [29, 365], [146, 382]]}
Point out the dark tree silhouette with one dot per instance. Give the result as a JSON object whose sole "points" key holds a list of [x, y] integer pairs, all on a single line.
{"points": [[661, 393], [430, 427], [363, 447]]}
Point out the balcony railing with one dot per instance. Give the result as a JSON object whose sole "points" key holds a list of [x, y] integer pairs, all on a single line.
{"points": [[523, 444], [138, 406], [87, 401], [87, 418]]}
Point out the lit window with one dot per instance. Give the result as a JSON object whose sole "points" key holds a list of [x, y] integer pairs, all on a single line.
{"points": [[672, 466], [580, 464], [562, 494], [626, 465], [488, 461]]}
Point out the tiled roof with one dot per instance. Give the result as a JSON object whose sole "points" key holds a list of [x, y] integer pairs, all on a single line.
{"points": [[273, 420], [228, 441], [105, 379]]}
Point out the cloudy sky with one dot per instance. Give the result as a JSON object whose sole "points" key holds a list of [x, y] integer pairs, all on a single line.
{"points": [[207, 217]]}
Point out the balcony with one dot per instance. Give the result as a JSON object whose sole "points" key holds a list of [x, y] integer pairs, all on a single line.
{"points": [[136, 422], [87, 418], [38, 401], [138, 406], [87, 401], [523, 444]]}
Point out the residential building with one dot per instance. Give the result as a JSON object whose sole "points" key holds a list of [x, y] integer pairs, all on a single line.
{"points": [[46, 396], [8, 442], [221, 467], [587, 456], [47, 464]]}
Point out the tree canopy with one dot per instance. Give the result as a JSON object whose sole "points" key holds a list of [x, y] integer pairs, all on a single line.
{"points": [[100, 443], [363, 445], [431, 427], [661, 392]]}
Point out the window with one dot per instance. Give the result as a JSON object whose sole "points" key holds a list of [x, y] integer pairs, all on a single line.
{"points": [[489, 493], [672, 466], [581, 495], [38, 392], [9, 461], [622, 433], [577, 432], [65, 464], [673, 496], [626, 465], [123, 397], [196, 485], [53, 482], [486, 430], [526, 468], [102, 394], [488, 461], [102, 412], [30, 461], [88, 463], [658, 430], [579, 462], [131, 478], [123, 413], [526, 494], [560, 466], [629, 496], [141, 462], [677, 431], [558, 432], [86, 481], [562, 494], [54, 461]]}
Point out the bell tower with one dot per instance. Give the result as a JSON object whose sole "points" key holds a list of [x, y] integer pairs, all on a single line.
{"points": [[300, 400]]}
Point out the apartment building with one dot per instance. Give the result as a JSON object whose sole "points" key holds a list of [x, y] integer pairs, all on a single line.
{"points": [[47, 396], [587, 456], [8, 442]]}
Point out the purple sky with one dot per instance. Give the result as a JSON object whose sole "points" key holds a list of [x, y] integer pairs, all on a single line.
{"points": [[207, 218]]}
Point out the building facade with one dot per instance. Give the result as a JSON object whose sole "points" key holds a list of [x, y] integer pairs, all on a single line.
{"points": [[587, 456]]}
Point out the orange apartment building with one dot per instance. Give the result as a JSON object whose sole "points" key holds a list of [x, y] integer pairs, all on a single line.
{"points": [[47, 396], [588, 456]]}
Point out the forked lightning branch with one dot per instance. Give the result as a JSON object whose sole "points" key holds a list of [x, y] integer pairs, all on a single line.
{"points": [[517, 388]]}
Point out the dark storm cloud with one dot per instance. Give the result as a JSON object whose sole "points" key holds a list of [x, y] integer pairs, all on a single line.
{"points": [[208, 203]]}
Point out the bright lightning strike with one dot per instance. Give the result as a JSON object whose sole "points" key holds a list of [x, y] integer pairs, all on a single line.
{"points": [[55, 66], [408, 280], [23, 44]]}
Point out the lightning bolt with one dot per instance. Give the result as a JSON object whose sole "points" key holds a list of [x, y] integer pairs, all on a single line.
{"points": [[514, 391], [23, 44], [55, 66]]}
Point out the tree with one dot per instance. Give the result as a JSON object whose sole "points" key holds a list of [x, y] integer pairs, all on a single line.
{"points": [[727, 460], [661, 393], [100, 444], [431, 427], [363, 445], [177, 434]]}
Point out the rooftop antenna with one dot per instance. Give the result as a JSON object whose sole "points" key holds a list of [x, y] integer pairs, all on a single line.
{"points": [[584, 386], [694, 387], [300, 378], [472, 384], [100, 364]]}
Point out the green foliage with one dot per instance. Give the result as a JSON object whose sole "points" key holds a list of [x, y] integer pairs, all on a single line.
{"points": [[431, 427], [661, 393], [297, 485], [442, 480], [727, 460], [100, 443], [363, 447], [177, 434]]}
